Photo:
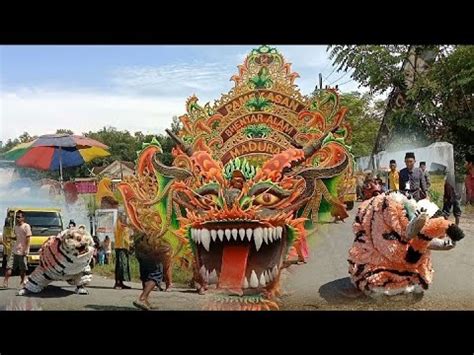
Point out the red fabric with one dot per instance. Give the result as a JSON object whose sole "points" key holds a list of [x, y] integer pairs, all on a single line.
{"points": [[70, 192], [469, 182], [37, 157]]}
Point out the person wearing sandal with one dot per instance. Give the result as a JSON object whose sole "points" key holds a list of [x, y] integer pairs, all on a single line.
{"points": [[18, 256], [122, 247], [151, 272]]}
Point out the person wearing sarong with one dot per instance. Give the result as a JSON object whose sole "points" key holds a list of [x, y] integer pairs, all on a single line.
{"points": [[122, 247], [151, 270]]}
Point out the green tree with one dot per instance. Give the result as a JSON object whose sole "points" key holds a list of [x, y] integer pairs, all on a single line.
{"points": [[25, 137], [364, 116], [64, 131], [438, 104], [9, 145]]}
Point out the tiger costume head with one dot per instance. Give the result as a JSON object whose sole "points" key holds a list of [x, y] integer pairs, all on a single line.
{"points": [[393, 237], [77, 242]]}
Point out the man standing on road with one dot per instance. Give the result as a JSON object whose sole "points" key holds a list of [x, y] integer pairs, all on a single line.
{"points": [[122, 244], [7, 240], [469, 182], [20, 251], [451, 201], [393, 176], [412, 180], [151, 270], [427, 175]]}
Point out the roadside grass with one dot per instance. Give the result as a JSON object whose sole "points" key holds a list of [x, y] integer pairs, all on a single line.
{"points": [[180, 276]]}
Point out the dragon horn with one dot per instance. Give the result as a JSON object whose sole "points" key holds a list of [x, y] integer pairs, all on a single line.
{"points": [[186, 148], [170, 171], [323, 173], [313, 147]]}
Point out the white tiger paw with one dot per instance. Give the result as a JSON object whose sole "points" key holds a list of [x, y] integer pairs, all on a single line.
{"points": [[22, 292], [441, 244], [82, 291]]}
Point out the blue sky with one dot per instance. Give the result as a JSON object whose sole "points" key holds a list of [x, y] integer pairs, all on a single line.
{"points": [[43, 88]]}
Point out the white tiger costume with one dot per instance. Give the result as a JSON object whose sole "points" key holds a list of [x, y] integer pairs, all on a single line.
{"points": [[63, 257]]}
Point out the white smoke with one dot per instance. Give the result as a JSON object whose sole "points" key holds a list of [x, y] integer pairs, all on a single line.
{"points": [[23, 193]]}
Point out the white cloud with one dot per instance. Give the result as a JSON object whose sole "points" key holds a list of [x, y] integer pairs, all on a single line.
{"points": [[173, 79], [144, 98], [305, 56], [42, 111]]}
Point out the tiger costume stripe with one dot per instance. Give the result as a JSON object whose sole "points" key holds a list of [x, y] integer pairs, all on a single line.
{"points": [[64, 257], [393, 237]]}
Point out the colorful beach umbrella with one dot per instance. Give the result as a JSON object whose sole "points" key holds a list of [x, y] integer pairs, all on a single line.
{"points": [[56, 151]]}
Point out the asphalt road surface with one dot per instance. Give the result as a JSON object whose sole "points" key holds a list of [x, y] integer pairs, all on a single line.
{"points": [[321, 284]]}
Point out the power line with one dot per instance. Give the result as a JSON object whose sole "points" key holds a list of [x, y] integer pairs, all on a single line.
{"points": [[330, 74], [345, 82], [343, 75]]}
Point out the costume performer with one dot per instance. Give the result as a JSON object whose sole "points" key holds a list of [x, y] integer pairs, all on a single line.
{"points": [[393, 238], [63, 257]]}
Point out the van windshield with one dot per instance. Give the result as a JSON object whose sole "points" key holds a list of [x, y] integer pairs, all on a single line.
{"points": [[44, 223]]}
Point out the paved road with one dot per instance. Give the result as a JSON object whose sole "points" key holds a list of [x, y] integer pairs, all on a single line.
{"points": [[321, 284], [318, 285]]}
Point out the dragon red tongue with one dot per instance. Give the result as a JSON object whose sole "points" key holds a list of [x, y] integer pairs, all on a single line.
{"points": [[234, 264]]}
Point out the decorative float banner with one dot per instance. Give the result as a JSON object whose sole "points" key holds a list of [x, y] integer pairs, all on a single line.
{"points": [[265, 114], [250, 174]]}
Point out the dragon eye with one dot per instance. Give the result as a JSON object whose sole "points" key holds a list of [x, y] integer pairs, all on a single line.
{"points": [[267, 199]]}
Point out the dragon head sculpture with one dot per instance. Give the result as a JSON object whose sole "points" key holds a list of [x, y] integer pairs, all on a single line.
{"points": [[248, 175]]}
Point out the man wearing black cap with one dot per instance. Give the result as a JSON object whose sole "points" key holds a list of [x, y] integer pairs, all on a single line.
{"points": [[412, 180]]}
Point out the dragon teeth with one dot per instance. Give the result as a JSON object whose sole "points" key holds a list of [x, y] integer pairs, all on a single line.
{"points": [[258, 238], [248, 232], [213, 277], [274, 271], [265, 235], [270, 235], [205, 238], [245, 283], [253, 279], [262, 279], [220, 234], [203, 272], [279, 231], [267, 277]]}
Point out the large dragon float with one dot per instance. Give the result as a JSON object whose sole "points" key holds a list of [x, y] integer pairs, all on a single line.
{"points": [[251, 175]]}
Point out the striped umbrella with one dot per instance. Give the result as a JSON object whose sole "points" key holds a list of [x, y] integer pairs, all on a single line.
{"points": [[56, 151]]}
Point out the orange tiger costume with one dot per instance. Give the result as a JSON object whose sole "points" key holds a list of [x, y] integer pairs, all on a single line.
{"points": [[391, 251]]}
